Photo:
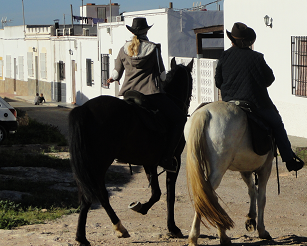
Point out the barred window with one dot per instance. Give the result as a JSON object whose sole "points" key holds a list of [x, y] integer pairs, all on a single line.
{"points": [[61, 70], [105, 70], [299, 65], [89, 72]]}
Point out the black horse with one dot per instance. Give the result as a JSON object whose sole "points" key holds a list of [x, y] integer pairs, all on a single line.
{"points": [[107, 128]]}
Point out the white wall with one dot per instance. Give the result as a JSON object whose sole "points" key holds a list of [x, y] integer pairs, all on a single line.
{"points": [[289, 18], [181, 37]]}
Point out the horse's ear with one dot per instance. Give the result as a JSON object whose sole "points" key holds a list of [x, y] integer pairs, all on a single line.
{"points": [[190, 65], [173, 63]]}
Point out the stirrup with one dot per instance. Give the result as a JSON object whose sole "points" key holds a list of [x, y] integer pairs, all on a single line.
{"points": [[173, 168]]}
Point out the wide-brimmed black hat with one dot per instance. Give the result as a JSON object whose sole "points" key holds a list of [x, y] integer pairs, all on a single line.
{"points": [[139, 26], [242, 35]]}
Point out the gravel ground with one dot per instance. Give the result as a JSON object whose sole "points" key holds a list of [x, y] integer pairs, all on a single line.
{"points": [[285, 214]]}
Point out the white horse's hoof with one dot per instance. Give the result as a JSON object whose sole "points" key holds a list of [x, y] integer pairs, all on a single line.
{"points": [[225, 241], [250, 224], [192, 242], [265, 235]]}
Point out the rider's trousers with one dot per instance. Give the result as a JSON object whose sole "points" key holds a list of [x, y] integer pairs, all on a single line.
{"points": [[272, 117]]}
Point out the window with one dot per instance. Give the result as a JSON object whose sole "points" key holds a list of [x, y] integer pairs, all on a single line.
{"points": [[8, 66], [30, 64], [61, 70], [105, 70], [21, 67], [1, 68], [43, 65], [101, 13], [299, 65], [89, 72]]}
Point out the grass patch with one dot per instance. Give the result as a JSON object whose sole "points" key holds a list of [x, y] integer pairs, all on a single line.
{"points": [[40, 201], [14, 214], [11, 158], [31, 131], [301, 152]]}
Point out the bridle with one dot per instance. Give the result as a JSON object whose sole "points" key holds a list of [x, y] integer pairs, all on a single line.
{"points": [[186, 102]]}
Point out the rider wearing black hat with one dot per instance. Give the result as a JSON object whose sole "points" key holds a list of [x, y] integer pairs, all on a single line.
{"points": [[144, 72], [242, 74]]}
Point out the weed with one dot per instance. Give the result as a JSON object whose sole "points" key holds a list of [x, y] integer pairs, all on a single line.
{"points": [[36, 132], [301, 152]]}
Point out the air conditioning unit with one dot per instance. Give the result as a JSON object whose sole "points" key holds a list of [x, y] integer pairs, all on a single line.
{"points": [[86, 32]]}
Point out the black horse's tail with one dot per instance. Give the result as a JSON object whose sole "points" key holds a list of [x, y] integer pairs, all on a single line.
{"points": [[79, 156]]}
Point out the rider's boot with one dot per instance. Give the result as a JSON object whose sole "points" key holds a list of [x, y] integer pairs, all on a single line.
{"points": [[294, 164], [168, 161]]}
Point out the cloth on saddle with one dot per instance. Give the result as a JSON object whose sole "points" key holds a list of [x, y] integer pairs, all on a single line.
{"points": [[262, 138], [147, 113]]}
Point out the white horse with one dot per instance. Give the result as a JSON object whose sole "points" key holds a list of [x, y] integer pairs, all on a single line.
{"points": [[218, 138]]}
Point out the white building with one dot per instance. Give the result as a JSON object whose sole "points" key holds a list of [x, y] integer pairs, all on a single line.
{"points": [[70, 68], [284, 47]]}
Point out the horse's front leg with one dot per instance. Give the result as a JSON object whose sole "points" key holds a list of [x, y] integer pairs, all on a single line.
{"points": [[250, 223], [171, 179], [152, 176]]}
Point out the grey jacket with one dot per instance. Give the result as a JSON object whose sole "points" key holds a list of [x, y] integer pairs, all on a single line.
{"points": [[143, 72]]}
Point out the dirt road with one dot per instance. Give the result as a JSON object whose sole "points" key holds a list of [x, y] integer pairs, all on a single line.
{"points": [[285, 215]]}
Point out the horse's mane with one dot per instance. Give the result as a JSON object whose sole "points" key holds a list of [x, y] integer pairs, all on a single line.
{"points": [[171, 83]]}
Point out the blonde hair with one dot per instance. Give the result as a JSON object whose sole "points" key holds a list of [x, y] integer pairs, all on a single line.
{"points": [[133, 48]]}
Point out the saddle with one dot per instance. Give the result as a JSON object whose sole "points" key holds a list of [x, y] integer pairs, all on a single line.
{"points": [[261, 134], [149, 115], [262, 138]]}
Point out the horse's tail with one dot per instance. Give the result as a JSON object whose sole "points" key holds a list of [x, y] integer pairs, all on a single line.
{"points": [[204, 197], [79, 159]]}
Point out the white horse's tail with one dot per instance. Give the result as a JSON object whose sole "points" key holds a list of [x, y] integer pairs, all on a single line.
{"points": [[204, 197]]}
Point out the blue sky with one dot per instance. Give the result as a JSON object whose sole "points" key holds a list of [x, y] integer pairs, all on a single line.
{"points": [[45, 11]]}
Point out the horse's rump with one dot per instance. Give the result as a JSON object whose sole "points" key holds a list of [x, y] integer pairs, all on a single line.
{"points": [[261, 134]]}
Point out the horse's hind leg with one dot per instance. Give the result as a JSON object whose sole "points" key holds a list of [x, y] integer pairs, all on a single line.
{"points": [[195, 230], [250, 223], [81, 233], [117, 225], [263, 177]]}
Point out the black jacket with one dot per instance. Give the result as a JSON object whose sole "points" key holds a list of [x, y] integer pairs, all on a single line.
{"points": [[243, 74]]}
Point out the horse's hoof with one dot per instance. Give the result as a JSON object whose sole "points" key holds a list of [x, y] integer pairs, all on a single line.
{"points": [[265, 235], [135, 206], [226, 241], [123, 235], [175, 235], [250, 225], [83, 242]]}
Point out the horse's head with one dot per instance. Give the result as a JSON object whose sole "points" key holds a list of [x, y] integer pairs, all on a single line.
{"points": [[178, 83]]}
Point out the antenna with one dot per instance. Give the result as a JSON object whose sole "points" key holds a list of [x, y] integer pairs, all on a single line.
{"points": [[4, 21]]}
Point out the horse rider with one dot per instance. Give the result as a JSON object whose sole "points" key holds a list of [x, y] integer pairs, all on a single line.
{"points": [[145, 73], [243, 74]]}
